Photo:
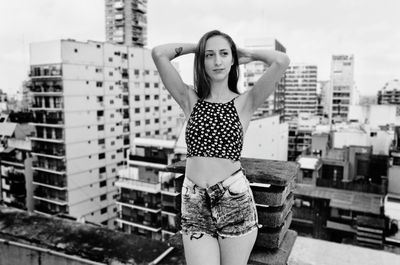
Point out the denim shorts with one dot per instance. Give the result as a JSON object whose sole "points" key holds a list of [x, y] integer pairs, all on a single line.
{"points": [[226, 209]]}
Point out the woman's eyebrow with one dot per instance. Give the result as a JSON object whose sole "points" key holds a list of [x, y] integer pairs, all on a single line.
{"points": [[219, 50]]}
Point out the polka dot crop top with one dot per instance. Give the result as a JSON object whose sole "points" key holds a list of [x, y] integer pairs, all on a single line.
{"points": [[214, 130]]}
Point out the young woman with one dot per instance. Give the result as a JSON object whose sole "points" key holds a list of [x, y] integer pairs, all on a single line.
{"points": [[219, 218]]}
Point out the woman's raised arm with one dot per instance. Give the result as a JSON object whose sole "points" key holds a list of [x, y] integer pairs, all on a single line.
{"points": [[277, 63], [181, 92]]}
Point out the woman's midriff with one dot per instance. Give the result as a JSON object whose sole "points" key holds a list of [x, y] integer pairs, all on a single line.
{"points": [[207, 171]]}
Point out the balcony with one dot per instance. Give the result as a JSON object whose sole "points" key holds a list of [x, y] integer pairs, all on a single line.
{"points": [[50, 180], [50, 166], [46, 208], [157, 160], [50, 195], [46, 88], [45, 72], [56, 151], [138, 221], [48, 117]]}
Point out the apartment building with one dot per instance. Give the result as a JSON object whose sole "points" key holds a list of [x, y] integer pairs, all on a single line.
{"points": [[342, 86], [147, 203], [390, 93], [15, 165], [253, 71], [301, 90], [126, 22], [89, 100]]}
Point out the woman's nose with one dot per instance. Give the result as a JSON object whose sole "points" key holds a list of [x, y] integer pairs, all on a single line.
{"points": [[217, 60]]}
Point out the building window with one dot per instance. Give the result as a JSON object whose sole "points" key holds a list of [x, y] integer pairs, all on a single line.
{"points": [[156, 108], [137, 135], [103, 183], [157, 120], [155, 85], [110, 59], [146, 85], [101, 141], [147, 121], [111, 101], [137, 110], [136, 72], [147, 109], [137, 98], [102, 155], [147, 97], [103, 210], [112, 129], [75, 50], [157, 132], [137, 123], [112, 156], [99, 84], [156, 97], [148, 133], [103, 197], [100, 127], [110, 73], [169, 108]]}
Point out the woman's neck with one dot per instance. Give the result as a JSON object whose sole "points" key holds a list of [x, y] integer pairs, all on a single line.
{"points": [[219, 91]]}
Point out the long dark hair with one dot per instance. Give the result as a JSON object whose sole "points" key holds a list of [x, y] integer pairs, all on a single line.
{"points": [[202, 81]]}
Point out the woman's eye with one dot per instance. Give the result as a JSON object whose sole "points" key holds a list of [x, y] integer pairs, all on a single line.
{"points": [[209, 55]]}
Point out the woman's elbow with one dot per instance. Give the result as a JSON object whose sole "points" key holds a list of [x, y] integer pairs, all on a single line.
{"points": [[155, 53], [284, 61]]}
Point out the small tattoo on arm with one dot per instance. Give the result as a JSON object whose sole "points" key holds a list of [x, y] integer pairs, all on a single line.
{"points": [[178, 51], [196, 236]]}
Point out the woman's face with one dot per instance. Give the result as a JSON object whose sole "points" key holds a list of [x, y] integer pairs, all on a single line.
{"points": [[218, 58]]}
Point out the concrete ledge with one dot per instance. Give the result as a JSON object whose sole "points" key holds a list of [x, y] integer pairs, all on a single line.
{"points": [[274, 216], [278, 256], [270, 238], [273, 195]]}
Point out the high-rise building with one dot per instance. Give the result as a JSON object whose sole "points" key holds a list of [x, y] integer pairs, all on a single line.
{"points": [[322, 98], [390, 93], [126, 22], [90, 99], [301, 90], [342, 86], [254, 70]]}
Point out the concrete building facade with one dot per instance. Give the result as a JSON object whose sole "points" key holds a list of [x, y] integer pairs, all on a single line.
{"points": [[301, 90], [89, 100], [126, 22], [342, 86], [390, 93]]}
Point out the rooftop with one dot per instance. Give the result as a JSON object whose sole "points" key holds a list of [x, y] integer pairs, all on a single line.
{"points": [[344, 199]]}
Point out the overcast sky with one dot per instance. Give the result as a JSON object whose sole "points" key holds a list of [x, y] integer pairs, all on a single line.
{"points": [[311, 31]]}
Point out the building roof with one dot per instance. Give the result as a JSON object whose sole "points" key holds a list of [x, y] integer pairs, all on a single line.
{"points": [[308, 162], [154, 142], [90, 242], [344, 199], [307, 251], [7, 128]]}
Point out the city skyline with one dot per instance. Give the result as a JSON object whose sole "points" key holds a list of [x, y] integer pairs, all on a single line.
{"points": [[311, 31]]}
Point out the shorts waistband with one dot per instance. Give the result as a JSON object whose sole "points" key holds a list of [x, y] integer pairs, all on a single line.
{"points": [[224, 183]]}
